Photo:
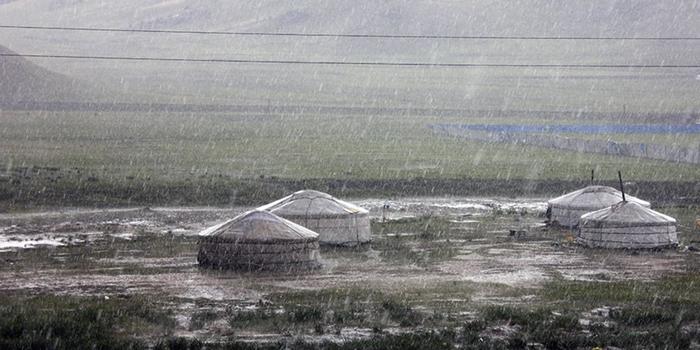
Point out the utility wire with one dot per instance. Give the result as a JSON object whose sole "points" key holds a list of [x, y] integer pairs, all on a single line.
{"points": [[348, 63], [338, 35]]}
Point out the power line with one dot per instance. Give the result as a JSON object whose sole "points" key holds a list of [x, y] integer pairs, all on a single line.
{"points": [[349, 63], [338, 35]]}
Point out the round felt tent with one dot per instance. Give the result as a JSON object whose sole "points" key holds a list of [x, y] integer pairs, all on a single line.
{"points": [[627, 225], [567, 209], [337, 222], [258, 240]]}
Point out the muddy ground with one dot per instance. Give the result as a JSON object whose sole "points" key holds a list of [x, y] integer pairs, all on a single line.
{"points": [[446, 256]]}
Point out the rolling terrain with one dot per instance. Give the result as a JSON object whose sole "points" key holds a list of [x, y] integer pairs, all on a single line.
{"points": [[495, 88], [24, 81]]}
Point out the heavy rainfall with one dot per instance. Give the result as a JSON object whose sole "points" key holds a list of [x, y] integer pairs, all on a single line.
{"points": [[349, 174]]}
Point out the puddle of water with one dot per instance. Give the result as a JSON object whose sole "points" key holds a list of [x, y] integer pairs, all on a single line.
{"points": [[462, 206], [14, 242], [10, 245], [456, 206], [451, 240], [140, 223], [125, 235], [168, 262], [405, 234], [525, 277]]}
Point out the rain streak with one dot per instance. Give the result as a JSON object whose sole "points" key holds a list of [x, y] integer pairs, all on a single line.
{"points": [[349, 174]]}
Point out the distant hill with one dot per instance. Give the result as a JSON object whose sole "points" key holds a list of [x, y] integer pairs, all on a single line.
{"points": [[24, 81], [474, 17], [583, 90]]}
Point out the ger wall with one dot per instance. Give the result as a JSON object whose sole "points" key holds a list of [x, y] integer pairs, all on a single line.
{"points": [[348, 230], [633, 237]]}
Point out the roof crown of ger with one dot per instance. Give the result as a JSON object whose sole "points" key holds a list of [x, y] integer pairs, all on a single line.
{"points": [[259, 225], [317, 199], [310, 194], [599, 195], [629, 212]]}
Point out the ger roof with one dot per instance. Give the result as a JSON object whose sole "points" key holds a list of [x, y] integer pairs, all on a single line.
{"points": [[593, 197], [626, 214], [259, 225], [312, 203]]}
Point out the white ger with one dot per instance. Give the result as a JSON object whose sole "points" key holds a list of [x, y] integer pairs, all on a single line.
{"points": [[337, 222], [258, 240], [567, 209], [627, 225]]}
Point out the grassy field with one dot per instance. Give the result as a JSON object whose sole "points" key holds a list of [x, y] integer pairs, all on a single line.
{"points": [[289, 146], [74, 152], [554, 324]]}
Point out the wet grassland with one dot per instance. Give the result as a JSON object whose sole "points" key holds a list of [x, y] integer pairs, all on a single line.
{"points": [[439, 273], [112, 159]]}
